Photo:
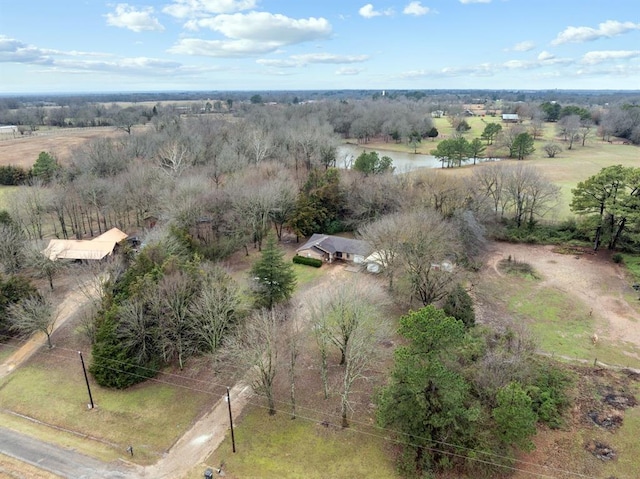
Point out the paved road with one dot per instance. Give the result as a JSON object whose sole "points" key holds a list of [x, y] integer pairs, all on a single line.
{"points": [[57, 460]]}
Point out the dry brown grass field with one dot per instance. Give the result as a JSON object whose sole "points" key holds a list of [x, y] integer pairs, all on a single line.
{"points": [[24, 150]]}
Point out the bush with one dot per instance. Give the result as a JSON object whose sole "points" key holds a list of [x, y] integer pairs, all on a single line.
{"points": [[617, 258], [13, 175], [316, 263], [549, 394]]}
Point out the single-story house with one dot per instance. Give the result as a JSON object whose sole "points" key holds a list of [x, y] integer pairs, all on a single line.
{"points": [[510, 118], [95, 249], [330, 248]]}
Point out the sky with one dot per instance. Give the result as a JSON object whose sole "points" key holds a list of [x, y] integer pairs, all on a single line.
{"points": [[72, 46]]}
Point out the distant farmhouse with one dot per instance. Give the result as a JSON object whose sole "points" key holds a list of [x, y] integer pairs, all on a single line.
{"points": [[510, 118], [330, 248], [95, 249]]}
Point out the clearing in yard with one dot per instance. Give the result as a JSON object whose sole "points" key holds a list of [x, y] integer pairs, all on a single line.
{"points": [[572, 295], [278, 446]]}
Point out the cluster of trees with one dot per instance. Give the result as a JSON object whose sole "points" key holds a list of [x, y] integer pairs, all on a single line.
{"points": [[609, 204], [165, 307], [461, 397]]}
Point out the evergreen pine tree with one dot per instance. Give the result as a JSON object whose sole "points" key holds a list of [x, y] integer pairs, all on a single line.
{"points": [[273, 278], [460, 306]]}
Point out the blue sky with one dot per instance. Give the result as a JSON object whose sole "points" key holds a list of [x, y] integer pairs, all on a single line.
{"points": [[149, 45]]}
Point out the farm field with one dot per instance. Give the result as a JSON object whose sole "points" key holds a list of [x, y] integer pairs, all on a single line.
{"points": [[566, 170], [23, 151]]}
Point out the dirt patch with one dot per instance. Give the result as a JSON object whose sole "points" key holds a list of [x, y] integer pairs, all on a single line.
{"points": [[600, 450], [620, 401], [592, 277], [610, 420]]}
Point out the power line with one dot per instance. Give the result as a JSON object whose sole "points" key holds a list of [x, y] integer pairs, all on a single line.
{"points": [[353, 421]]}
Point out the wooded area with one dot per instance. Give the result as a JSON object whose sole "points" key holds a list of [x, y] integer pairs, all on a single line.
{"points": [[197, 185]]}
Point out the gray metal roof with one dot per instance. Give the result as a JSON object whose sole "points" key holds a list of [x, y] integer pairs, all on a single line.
{"points": [[334, 244]]}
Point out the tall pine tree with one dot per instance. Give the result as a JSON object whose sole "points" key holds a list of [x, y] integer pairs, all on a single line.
{"points": [[273, 277]]}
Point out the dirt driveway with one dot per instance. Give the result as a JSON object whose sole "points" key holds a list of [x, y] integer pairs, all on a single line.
{"points": [[593, 278]]}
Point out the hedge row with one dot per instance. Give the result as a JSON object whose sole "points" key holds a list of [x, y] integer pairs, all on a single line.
{"points": [[316, 263]]}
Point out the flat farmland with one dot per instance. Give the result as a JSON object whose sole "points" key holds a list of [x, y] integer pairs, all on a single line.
{"points": [[24, 150]]}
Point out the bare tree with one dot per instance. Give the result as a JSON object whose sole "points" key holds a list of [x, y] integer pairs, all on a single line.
{"points": [[42, 265], [585, 131], [216, 309], [12, 248], [33, 314], [385, 238], [138, 331], [174, 158], [428, 242], [255, 348], [552, 149], [507, 136], [529, 193], [348, 315], [28, 208], [361, 352], [293, 335], [175, 294], [568, 127]]}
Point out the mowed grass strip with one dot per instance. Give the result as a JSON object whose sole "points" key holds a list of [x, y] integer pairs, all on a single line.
{"points": [[11, 469], [278, 447], [150, 416]]}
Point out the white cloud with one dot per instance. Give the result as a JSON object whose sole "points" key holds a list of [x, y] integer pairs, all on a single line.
{"points": [[136, 65], [267, 27], [593, 58], [416, 9], [368, 11], [545, 55], [199, 8], [307, 58], [349, 71], [608, 29], [222, 48], [467, 2], [329, 58], [133, 19], [523, 46], [15, 51]]}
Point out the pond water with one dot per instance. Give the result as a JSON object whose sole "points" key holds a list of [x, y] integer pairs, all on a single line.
{"points": [[402, 161]]}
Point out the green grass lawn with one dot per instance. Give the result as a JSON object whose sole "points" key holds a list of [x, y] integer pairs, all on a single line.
{"points": [[560, 324], [279, 447], [307, 274], [150, 416], [626, 443]]}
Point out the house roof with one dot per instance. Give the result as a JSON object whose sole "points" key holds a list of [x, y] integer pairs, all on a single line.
{"points": [[510, 116], [94, 249], [334, 244], [114, 234]]}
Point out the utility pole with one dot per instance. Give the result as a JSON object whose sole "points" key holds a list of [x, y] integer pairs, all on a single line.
{"points": [[233, 439], [86, 378]]}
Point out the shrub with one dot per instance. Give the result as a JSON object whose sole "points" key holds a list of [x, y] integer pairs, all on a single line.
{"points": [[316, 263], [617, 258], [13, 175], [549, 394]]}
